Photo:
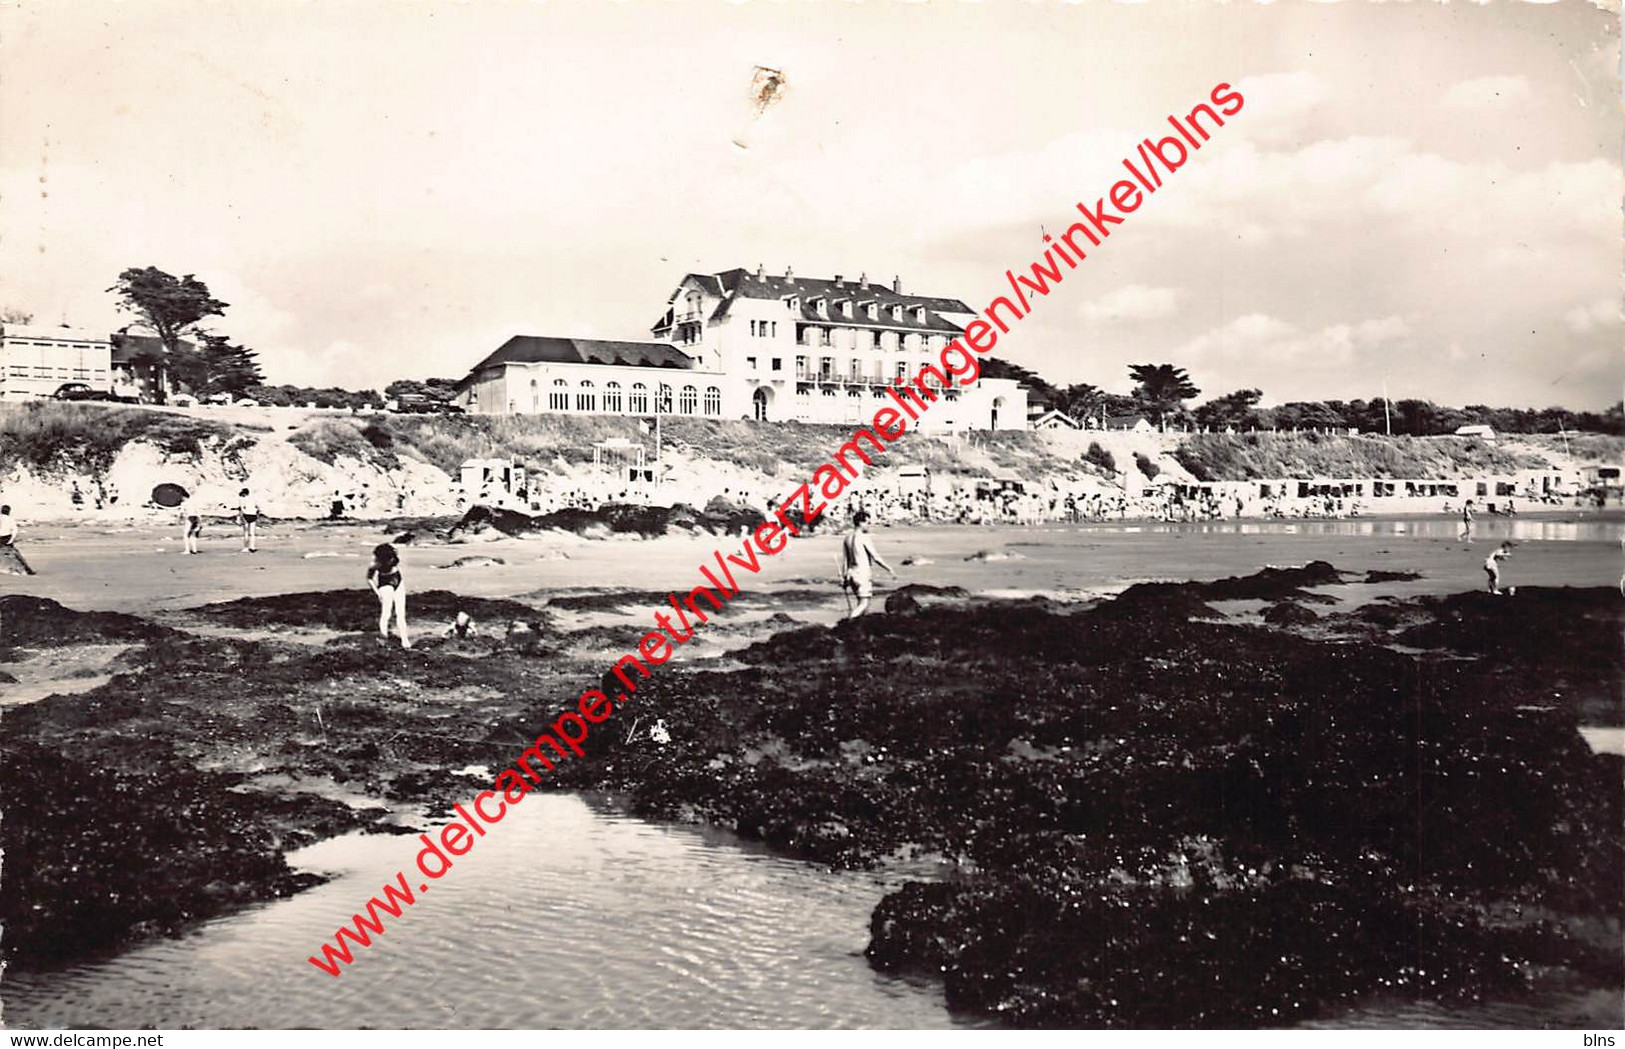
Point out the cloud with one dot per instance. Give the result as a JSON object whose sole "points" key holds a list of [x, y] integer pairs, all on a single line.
{"points": [[1486, 91], [1280, 97], [1598, 313], [1261, 340], [1133, 302]]}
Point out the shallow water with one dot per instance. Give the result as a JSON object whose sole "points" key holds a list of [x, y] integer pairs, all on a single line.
{"points": [[567, 915]]}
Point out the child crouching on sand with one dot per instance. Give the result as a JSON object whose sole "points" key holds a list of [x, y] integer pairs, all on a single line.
{"points": [[384, 576], [1492, 566]]}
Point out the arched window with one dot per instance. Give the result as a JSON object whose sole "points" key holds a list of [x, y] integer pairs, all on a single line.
{"points": [[558, 399], [612, 396], [639, 399], [663, 400], [586, 397], [713, 401], [688, 400]]}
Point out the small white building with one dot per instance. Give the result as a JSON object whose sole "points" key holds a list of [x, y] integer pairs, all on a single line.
{"points": [[1054, 420], [1476, 430], [36, 360], [1130, 423]]}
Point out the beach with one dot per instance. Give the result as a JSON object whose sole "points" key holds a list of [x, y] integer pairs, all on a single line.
{"points": [[215, 719]]}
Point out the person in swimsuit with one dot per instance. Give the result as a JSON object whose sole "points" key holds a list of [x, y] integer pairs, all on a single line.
{"points": [[248, 512], [1466, 522], [384, 576], [858, 557]]}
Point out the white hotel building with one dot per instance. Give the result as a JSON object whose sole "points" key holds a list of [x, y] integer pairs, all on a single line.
{"points": [[737, 345], [36, 360]]}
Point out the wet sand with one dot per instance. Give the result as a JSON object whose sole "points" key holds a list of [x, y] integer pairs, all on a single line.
{"points": [[140, 569]]}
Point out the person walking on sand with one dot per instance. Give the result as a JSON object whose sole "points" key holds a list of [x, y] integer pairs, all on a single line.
{"points": [[858, 557], [248, 512], [1492, 566], [1466, 522], [384, 576], [191, 526], [8, 544]]}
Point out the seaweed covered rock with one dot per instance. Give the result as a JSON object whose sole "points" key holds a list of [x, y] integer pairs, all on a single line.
{"points": [[40, 622], [354, 609], [1290, 613], [609, 519]]}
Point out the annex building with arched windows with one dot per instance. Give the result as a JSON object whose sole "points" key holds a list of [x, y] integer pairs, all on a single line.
{"points": [[741, 345]]}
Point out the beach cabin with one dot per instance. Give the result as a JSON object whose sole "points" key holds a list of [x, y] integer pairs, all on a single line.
{"points": [[1476, 430], [494, 482], [1131, 423], [1054, 420], [913, 480]]}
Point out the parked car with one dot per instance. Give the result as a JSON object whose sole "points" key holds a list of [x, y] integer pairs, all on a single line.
{"points": [[417, 404], [81, 391]]}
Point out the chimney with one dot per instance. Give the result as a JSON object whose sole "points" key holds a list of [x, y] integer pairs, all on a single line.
{"points": [[897, 285], [838, 280], [789, 275], [863, 281], [761, 273]]}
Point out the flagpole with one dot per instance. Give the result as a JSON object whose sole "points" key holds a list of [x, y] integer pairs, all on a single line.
{"points": [[1387, 418]]}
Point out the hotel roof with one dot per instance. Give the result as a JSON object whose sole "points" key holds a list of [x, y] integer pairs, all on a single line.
{"points": [[741, 283], [536, 349]]}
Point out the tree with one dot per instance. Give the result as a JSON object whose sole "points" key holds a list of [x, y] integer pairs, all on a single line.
{"points": [[433, 389], [215, 366], [1162, 387], [1081, 400], [12, 315], [1238, 410], [173, 307]]}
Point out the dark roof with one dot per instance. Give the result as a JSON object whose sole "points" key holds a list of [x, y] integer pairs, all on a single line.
{"points": [[533, 349], [1127, 420], [741, 282]]}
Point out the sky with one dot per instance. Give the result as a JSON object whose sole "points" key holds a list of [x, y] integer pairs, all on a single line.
{"points": [[1423, 194]]}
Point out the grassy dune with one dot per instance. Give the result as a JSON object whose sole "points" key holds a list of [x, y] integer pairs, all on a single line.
{"points": [[540, 440], [50, 438], [1217, 456]]}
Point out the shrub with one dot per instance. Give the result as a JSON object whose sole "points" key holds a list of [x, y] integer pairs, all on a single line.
{"points": [[1146, 466], [1100, 457], [52, 438]]}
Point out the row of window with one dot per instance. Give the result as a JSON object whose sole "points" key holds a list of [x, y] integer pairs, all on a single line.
{"points": [[764, 329], [804, 391], [871, 309], [827, 370], [22, 371], [863, 339], [637, 400]]}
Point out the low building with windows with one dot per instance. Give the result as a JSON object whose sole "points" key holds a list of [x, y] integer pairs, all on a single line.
{"points": [[531, 375], [740, 345], [35, 361]]}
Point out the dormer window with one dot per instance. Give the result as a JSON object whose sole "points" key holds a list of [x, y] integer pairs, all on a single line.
{"points": [[897, 313], [821, 304], [794, 302], [873, 310], [919, 315], [846, 307]]}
